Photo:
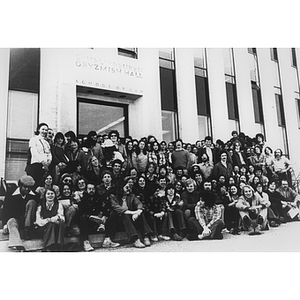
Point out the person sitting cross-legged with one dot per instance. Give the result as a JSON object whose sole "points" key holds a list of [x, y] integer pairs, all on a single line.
{"points": [[208, 222], [253, 210]]}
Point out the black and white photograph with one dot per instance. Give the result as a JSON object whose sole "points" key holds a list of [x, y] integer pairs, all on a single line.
{"points": [[174, 157]]}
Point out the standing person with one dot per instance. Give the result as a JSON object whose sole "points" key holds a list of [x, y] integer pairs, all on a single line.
{"points": [[238, 157], [40, 152], [93, 170], [69, 135], [128, 209], [59, 158], [19, 213], [223, 167], [128, 163], [206, 166], [208, 222], [253, 210], [140, 157], [282, 166], [51, 221], [114, 136], [207, 148], [93, 147], [180, 157], [93, 219], [163, 154]]}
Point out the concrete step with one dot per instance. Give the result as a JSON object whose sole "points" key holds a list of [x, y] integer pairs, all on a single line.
{"points": [[96, 241]]}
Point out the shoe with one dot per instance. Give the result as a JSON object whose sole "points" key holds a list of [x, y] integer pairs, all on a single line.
{"points": [[200, 236], [225, 230], [251, 231], [154, 239], [273, 224], [87, 246], [234, 231], [258, 230], [164, 237], [138, 244], [282, 220], [176, 237], [18, 248], [101, 228], [147, 242], [108, 243]]}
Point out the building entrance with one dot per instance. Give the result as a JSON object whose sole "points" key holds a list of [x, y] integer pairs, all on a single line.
{"points": [[102, 117]]}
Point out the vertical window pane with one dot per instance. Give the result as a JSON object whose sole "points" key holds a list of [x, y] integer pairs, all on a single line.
{"points": [[280, 110], [24, 69], [294, 58], [202, 96], [257, 104], [232, 101], [228, 62], [168, 89], [274, 55], [168, 126], [298, 111]]}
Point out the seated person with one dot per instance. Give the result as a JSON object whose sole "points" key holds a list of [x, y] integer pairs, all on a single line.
{"points": [[173, 209], [51, 221], [19, 212], [70, 206], [292, 200], [253, 210], [47, 183], [92, 219], [128, 209], [208, 222]]}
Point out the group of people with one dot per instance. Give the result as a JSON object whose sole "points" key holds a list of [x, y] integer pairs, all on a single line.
{"points": [[152, 190]]}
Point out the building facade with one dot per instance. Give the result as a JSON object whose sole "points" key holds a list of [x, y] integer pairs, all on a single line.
{"points": [[169, 93]]}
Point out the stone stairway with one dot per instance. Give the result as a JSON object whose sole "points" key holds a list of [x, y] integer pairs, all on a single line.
{"points": [[96, 241]]}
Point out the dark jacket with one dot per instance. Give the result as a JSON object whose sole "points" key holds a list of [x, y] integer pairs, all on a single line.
{"points": [[133, 203], [190, 199], [91, 205], [14, 205]]}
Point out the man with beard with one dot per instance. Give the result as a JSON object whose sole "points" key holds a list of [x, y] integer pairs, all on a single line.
{"points": [[206, 166], [93, 148], [93, 219], [208, 222]]}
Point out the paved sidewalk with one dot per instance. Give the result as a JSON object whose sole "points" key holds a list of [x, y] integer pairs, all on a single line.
{"points": [[281, 239]]}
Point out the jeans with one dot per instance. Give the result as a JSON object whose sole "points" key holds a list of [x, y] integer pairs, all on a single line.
{"points": [[197, 229], [175, 221], [15, 225]]}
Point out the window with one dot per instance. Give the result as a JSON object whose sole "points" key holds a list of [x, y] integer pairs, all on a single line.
{"points": [[128, 52], [280, 110], [21, 124], [168, 94], [257, 103], [24, 69], [232, 105], [252, 50], [294, 58], [231, 94], [169, 126], [298, 111], [274, 55], [113, 116]]}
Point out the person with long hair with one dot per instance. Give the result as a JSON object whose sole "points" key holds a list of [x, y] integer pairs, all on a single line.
{"points": [[51, 221], [127, 164], [59, 157], [40, 154], [129, 210], [46, 184], [140, 157], [93, 170], [253, 210], [175, 217]]}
